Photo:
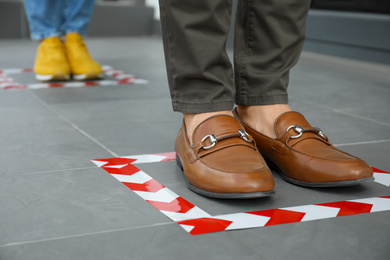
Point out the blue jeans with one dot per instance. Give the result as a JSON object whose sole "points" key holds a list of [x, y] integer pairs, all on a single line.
{"points": [[48, 18]]}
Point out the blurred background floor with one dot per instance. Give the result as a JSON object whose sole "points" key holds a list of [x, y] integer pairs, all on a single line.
{"points": [[55, 204]]}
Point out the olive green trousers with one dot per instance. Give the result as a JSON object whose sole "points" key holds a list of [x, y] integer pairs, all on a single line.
{"points": [[268, 40]]}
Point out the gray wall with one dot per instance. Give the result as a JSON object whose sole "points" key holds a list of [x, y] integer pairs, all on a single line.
{"points": [[351, 35], [110, 18], [113, 19], [13, 21]]}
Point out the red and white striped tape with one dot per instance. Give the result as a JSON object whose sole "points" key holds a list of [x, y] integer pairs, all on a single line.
{"points": [[162, 198], [382, 177], [196, 221], [285, 215], [119, 76], [15, 71]]}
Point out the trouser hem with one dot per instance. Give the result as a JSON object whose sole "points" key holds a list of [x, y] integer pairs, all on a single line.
{"points": [[202, 107], [43, 35], [262, 100]]}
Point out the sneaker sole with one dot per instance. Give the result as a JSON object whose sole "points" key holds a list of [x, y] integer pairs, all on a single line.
{"points": [[334, 184], [87, 76], [252, 195], [51, 77]]}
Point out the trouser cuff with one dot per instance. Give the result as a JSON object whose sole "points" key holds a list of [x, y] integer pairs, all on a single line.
{"points": [[262, 100], [203, 107]]}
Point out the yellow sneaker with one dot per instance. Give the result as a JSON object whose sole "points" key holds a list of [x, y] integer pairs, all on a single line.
{"points": [[81, 64], [51, 62]]}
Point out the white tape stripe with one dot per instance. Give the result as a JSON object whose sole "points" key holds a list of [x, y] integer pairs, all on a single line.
{"points": [[108, 82], [193, 213], [38, 86], [99, 163], [139, 81], [378, 204], [12, 71], [122, 76], [314, 212], [163, 195], [145, 158], [139, 177], [187, 228], [112, 72], [244, 220], [119, 166], [3, 85], [382, 178], [74, 84]]}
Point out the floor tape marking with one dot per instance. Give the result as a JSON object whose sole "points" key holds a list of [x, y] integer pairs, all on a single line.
{"points": [[196, 221], [138, 178], [193, 213], [349, 207], [163, 195], [120, 78]]}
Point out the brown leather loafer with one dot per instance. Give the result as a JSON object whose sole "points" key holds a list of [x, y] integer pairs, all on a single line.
{"points": [[304, 156], [224, 161]]}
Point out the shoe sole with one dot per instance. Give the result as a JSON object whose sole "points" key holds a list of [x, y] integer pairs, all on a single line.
{"points": [[252, 195], [51, 77], [319, 184], [87, 76]]}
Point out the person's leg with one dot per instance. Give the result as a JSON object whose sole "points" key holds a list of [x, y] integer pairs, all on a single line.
{"points": [[200, 74], [218, 158], [44, 19], [76, 16], [269, 37], [268, 42]]}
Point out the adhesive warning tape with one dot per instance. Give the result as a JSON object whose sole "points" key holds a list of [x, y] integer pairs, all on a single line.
{"points": [[382, 177], [162, 198], [120, 79], [196, 221], [285, 215], [15, 71]]}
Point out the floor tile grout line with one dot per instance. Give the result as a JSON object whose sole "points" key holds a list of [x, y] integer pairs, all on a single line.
{"points": [[85, 234], [60, 170], [74, 126], [360, 117], [339, 111], [364, 142]]}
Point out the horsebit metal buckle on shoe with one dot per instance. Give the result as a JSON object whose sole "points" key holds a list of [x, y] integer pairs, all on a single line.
{"points": [[214, 140], [299, 130]]}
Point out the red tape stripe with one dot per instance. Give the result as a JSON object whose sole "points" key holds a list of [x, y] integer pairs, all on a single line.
{"points": [[280, 216], [349, 207], [149, 186], [380, 171], [206, 225], [178, 205]]}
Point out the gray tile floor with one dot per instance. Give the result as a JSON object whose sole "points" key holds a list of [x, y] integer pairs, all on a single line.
{"points": [[55, 204]]}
